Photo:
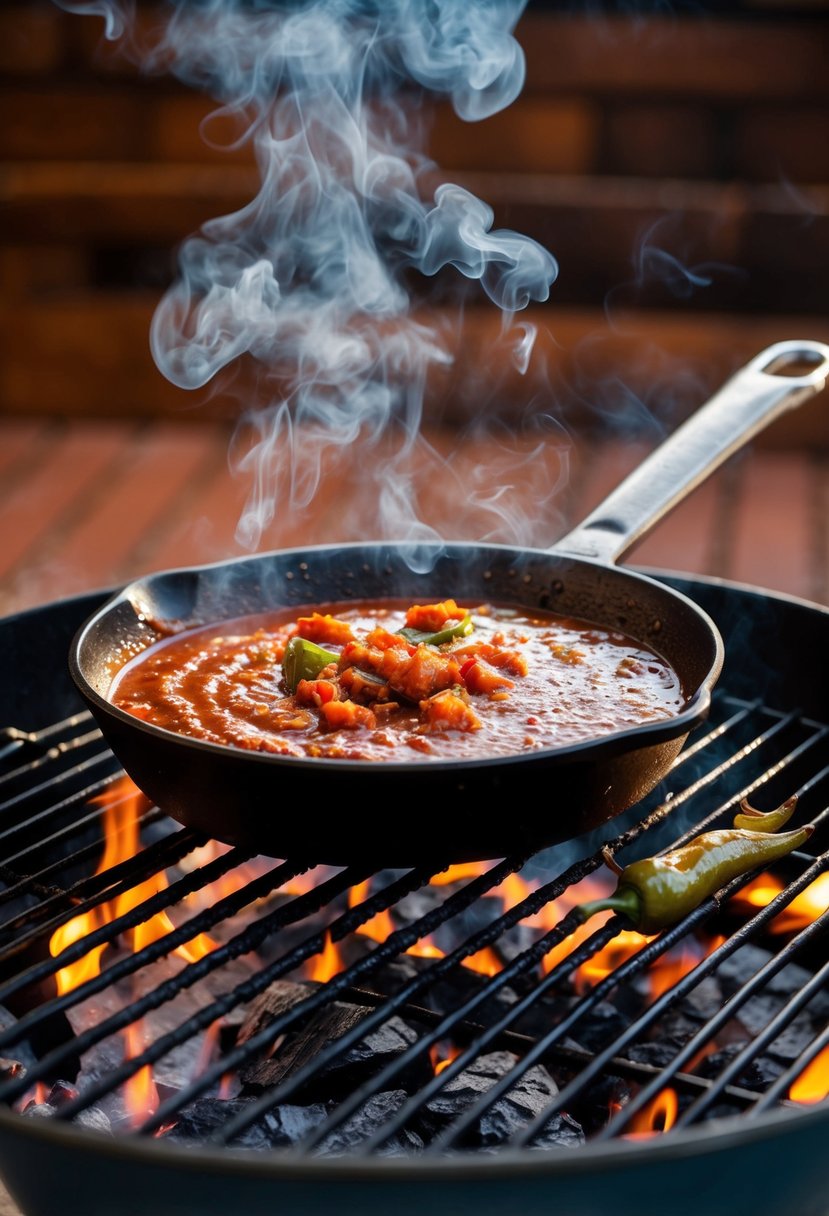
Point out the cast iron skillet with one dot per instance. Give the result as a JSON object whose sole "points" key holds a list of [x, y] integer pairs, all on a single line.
{"points": [[399, 813]]}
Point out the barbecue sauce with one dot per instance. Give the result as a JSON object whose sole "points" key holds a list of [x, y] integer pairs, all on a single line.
{"points": [[512, 683]]}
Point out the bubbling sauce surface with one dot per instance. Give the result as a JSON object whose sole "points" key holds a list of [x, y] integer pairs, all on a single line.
{"points": [[515, 683]]}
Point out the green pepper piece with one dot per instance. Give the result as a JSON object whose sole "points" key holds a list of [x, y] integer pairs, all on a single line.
{"points": [[461, 630], [304, 660], [656, 892], [757, 821]]}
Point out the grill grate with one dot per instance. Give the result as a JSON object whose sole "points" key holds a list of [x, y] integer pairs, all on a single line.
{"points": [[51, 837]]}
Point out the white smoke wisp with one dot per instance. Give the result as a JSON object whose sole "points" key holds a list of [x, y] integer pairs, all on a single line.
{"points": [[311, 278]]}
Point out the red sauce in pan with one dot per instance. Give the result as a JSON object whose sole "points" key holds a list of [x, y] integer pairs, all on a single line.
{"points": [[514, 684], [503, 681]]}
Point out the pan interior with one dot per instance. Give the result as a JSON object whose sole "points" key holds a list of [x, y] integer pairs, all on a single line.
{"points": [[617, 599]]}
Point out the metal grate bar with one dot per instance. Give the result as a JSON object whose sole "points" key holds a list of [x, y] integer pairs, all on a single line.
{"points": [[347, 923], [158, 949], [712, 734], [531, 904], [786, 1079], [666, 1000], [48, 758], [706, 1033], [108, 932], [51, 785], [242, 944], [80, 797], [162, 853], [571, 1056], [767, 1036], [751, 787], [18, 740]]}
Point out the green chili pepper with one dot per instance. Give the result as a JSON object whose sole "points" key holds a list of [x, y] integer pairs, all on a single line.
{"points": [[460, 630], [656, 892], [304, 660], [757, 821]]}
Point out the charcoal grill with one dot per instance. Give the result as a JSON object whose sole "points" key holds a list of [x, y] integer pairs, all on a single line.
{"points": [[736, 1146]]}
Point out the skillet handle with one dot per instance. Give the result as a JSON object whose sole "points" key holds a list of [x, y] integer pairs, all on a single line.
{"points": [[753, 397]]}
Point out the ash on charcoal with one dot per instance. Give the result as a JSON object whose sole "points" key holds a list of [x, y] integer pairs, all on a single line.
{"points": [[280, 1127], [532, 1094], [369, 1118], [93, 1119], [660, 1054]]}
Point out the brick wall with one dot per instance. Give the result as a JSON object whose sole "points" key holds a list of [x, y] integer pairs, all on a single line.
{"points": [[696, 137]]}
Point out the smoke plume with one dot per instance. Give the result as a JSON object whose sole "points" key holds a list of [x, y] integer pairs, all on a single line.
{"points": [[312, 280]]}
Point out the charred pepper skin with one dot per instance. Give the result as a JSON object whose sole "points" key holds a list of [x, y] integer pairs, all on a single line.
{"points": [[656, 892]]}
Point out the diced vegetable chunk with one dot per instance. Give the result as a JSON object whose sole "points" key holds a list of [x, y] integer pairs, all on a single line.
{"points": [[448, 711], [321, 627]]}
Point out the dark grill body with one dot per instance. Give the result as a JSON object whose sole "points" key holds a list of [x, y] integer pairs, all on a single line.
{"points": [[513, 1145]]}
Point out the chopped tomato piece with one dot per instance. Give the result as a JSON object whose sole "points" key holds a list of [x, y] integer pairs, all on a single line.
{"points": [[420, 675], [347, 715], [510, 660], [382, 639], [357, 654], [324, 628], [361, 686], [432, 617], [481, 678], [447, 711], [315, 692]]}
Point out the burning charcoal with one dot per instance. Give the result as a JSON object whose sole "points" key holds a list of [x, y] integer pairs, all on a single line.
{"points": [[277, 999], [593, 1107], [759, 1074], [382, 1045], [738, 968], [349, 1068], [10, 1069], [22, 1053], [660, 1054], [530, 1095], [93, 1119], [365, 1121], [284, 1125]]}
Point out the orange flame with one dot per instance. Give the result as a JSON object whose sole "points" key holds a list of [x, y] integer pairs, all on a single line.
{"points": [[611, 956], [122, 805], [485, 961], [140, 1093], [813, 1083], [325, 966], [657, 1117], [458, 873], [804, 908], [380, 926], [442, 1054]]}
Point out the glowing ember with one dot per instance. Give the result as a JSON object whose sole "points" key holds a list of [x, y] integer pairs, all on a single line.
{"points": [[813, 1083]]}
